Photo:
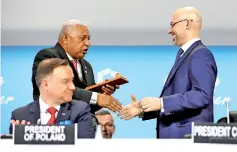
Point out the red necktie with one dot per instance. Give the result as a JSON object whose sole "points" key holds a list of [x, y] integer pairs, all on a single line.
{"points": [[52, 111], [75, 64]]}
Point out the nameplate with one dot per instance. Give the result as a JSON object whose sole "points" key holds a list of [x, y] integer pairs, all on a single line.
{"points": [[215, 133], [45, 134]]}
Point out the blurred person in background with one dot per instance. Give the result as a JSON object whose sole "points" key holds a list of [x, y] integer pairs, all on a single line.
{"points": [[106, 120]]}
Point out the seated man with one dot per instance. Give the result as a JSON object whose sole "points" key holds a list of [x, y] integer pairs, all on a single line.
{"points": [[54, 77], [106, 120]]}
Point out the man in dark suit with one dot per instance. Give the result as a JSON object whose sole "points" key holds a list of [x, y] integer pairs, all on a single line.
{"points": [[73, 44], [187, 95], [54, 77]]}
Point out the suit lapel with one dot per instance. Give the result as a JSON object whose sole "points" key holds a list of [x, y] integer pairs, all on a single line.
{"points": [[180, 61], [34, 112], [84, 72], [63, 55], [64, 112]]}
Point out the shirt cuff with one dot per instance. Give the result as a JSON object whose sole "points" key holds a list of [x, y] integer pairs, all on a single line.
{"points": [[162, 105], [94, 98]]}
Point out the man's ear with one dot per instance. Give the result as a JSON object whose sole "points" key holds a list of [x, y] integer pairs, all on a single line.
{"points": [[65, 39], [44, 84], [188, 25]]}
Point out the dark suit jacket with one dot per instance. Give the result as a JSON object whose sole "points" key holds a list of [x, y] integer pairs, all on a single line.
{"points": [[79, 94], [75, 111], [187, 93]]}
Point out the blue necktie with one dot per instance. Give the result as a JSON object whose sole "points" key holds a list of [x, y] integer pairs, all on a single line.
{"points": [[180, 52]]}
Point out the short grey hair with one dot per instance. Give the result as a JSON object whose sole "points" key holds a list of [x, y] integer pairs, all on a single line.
{"points": [[103, 112], [69, 24]]}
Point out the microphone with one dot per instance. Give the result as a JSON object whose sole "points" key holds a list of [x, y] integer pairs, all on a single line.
{"points": [[227, 111]]}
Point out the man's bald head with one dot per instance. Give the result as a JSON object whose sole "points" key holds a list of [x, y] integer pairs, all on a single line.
{"points": [[186, 24], [190, 13]]}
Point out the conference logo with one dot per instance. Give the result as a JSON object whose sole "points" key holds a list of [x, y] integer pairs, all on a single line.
{"points": [[5, 100], [101, 74]]}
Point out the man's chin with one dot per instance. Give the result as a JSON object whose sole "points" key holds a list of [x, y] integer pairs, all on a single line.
{"points": [[174, 42], [106, 136], [81, 56], [68, 99]]}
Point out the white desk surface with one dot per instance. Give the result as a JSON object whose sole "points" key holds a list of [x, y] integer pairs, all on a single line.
{"points": [[121, 145]]}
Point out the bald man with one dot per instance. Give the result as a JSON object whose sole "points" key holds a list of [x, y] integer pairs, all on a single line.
{"points": [[187, 95]]}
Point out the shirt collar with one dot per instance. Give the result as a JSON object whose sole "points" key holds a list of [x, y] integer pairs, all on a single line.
{"points": [[69, 57], [187, 45], [44, 106]]}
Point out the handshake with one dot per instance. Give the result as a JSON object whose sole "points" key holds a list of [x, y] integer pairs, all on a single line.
{"points": [[131, 110]]}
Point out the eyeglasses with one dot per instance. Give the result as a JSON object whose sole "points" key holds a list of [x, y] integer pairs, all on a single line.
{"points": [[107, 125], [173, 24]]}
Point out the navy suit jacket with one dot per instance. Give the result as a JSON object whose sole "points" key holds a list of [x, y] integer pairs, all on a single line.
{"points": [[75, 111], [187, 94]]}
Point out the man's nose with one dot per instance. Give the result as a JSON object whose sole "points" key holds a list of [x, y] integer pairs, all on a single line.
{"points": [[103, 128], [170, 30], [72, 86], [87, 42]]}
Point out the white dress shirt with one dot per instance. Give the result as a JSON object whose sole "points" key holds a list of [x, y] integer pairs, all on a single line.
{"points": [[44, 114], [79, 70], [185, 47]]}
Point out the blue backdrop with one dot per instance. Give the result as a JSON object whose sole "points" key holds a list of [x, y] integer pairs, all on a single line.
{"points": [[146, 68]]}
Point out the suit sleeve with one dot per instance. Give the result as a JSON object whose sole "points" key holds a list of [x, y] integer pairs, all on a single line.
{"points": [[202, 74], [83, 95], [150, 115], [85, 123]]}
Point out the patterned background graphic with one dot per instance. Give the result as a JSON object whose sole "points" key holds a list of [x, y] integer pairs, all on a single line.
{"points": [[146, 68]]}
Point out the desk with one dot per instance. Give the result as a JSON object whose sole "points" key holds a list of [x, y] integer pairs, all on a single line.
{"points": [[120, 145]]}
